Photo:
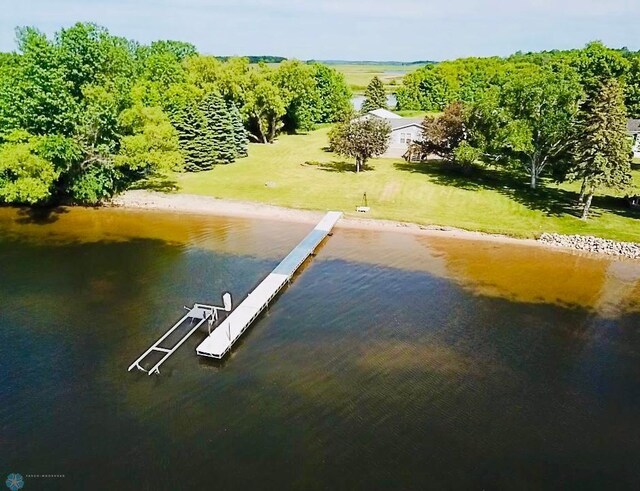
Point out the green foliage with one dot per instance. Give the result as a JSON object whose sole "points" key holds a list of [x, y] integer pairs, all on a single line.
{"points": [[219, 127], [375, 96], [465, 155], [150, 146], [528, 118], [93, 107], [333, 94], [178, 49], [361, 139], [26, 176], [240, 139], [433, 87], [632, 88], [264, 107], [297, 88], [597, 64], [602, 148], [466, 80], [441, 135], [195, 139], [42, 101]]}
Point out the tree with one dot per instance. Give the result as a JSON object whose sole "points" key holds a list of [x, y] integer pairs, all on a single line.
{"points": [[333, 94], [441, 135], [597, 64], [42, 102], [264, 107], [239, 133], [25, 175], [150, 146], [296, 84], [220, 127], [527, 119], [632, 88], [196, 143], [602, 147], [178, 49], [375, 96], [360, 139]]}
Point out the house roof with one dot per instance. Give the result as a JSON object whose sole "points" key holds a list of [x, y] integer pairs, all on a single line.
{"points": [[384, 114], [397, 124], [633, 126]]}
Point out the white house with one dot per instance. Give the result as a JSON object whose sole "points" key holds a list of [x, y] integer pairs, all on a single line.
{"points": [[403, 131], [633, 127]]}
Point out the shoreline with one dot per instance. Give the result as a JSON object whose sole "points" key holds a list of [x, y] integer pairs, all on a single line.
{"points": [[206, 205]]}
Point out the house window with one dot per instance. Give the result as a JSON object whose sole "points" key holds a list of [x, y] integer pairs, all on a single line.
{"points": [[402, 139]]}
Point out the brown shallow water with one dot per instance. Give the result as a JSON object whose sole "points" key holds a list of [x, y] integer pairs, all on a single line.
{"points": [[393, 360]]}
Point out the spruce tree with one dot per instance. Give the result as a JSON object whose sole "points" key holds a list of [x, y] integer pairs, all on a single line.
{"points": [[196, 142], [602, 152], [219, 124], [239, 132], [375, 96]]}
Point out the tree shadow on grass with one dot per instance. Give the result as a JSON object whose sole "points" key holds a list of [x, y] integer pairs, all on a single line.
{"points": [[617, 206], [162, 184], [340, 166], [41, 215], [550, 201]]}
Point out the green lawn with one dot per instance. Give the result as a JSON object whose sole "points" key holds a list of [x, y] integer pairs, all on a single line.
{"points": [[296, 172]]}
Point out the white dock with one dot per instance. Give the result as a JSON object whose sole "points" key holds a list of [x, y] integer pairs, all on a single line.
{"points": [[220, 341]]}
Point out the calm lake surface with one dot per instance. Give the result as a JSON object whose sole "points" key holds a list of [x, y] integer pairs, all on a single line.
{"points": [[358, 100], [392, 361]]}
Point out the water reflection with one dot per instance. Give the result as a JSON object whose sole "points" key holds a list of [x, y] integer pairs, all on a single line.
{"points": [[394, 360]]}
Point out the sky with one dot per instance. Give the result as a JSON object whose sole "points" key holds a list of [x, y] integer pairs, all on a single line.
{"points": [[402, 30]]}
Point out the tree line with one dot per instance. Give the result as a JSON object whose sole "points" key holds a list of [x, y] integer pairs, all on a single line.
{"points": [[560, 114], [434, 86], [85, 114]]}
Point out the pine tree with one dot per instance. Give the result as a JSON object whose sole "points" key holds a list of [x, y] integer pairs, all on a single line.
{"points": [[196, 142], [375, 96], [602, 149], [218, 122], [239, 132]]}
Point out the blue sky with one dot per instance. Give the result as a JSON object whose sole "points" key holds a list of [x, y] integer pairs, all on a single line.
{"points": [[344, 29]]}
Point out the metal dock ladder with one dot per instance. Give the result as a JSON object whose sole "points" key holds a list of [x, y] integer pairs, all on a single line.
{"points": [[192, 320]]}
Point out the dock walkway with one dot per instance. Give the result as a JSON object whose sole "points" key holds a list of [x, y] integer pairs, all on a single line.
{"points": [[220, 341]]}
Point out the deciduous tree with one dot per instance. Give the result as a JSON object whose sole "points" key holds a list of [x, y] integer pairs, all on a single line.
{"points": [[360, 139], [442, 134]]}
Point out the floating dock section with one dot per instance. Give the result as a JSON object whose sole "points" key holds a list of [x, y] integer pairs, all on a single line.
{"points": [[229, 331]]}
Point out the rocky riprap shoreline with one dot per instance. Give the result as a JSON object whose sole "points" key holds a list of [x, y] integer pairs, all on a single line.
{"points": [[589, 243]]}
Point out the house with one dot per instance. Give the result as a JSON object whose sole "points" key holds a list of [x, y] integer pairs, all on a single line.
{"points": [[633, 127], [403, 131]]}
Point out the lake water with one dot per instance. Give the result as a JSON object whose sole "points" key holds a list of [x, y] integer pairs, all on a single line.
{"points": [[358, 100], [392, 361]]}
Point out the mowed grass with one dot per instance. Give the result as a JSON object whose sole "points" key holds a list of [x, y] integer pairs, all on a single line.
{"points": [[297, 172]]}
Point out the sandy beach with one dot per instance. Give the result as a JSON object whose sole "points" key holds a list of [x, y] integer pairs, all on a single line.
{"points": [[189, 203]]}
